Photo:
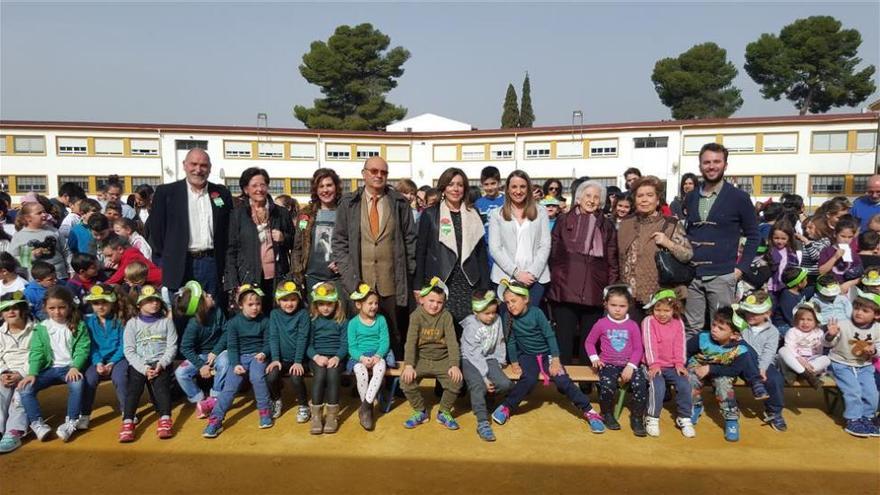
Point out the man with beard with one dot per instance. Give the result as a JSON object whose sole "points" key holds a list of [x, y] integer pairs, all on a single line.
{"points": [[718, 214]]}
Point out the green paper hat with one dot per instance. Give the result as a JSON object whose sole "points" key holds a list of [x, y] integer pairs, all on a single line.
{"points": [[659, 296], [361, 293], [244, 289], [195, 295], [751, 305], [325, 292], [100, 292], [871, 278], [801, 276], [11, 299], [870, 296], [514, 287], [285, 289], [435, 282], [480, 305], [148, 292]]}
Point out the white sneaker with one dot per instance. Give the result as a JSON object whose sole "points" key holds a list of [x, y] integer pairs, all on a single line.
{"points": [[303, 414], [40, 429], [277, 406], [67, 429], [687, 428], [83, 422], [652, 425]]}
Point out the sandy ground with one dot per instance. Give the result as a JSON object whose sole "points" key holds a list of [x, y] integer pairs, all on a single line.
{"points": [[545, 448]]}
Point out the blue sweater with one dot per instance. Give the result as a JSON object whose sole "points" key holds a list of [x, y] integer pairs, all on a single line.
{"points": [[715, 241], [80, 240], [35, 293], [107, 344], [864, 209]]}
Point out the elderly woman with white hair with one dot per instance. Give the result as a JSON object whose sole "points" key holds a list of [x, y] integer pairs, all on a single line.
{"points": [[583, 261]]}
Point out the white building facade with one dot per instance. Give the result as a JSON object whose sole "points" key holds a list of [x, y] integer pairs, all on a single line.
{"points": [[816, 156]]}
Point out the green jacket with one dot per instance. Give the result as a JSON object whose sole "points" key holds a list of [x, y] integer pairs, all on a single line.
{"points": [[41, 356]]}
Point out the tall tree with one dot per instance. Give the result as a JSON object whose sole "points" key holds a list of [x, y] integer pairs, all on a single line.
{"points": [[354, 71], [526, 115], [812, 62], [510, 114], [698, 83]]}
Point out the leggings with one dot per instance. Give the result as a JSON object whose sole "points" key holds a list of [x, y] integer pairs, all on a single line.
{"points": [[325, 386], [368, 386], [273, 381], [819, 363], [161, 386]]}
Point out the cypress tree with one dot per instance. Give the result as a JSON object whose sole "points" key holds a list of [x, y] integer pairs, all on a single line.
{"points": [[510, 114], [526, 115]]}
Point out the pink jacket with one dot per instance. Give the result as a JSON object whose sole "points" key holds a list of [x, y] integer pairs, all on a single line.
{"points": [[665, 345]]}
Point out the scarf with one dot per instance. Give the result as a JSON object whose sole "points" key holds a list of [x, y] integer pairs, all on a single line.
{"points": [[593, 245]]}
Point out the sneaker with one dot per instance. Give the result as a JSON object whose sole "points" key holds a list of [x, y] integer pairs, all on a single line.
{"points": [[857, 428], [9, 442], [610, 422], [445, 418], [775, 421], [213, 428], [484, 429], [874, 431], [163, 430], [686, 427], [501, 414], [303, 415], [126, 433], [66, 430], [83, 422], [760, 391], [277, 406], [652, 425], [731, 430], [40, 429], [696, 412], [637, 424], [205, 406], [415, 419], [595, 420], [266, 418]]}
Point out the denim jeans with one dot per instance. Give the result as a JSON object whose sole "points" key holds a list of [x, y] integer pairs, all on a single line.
{"points": [[205, 271], [657, 393], [531, 375], [255, 371], [859, 389], [47, 378], [119, 377], [186, 374]]}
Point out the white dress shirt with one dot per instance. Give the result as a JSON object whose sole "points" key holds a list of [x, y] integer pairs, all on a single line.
{"points": [[201, 219]]}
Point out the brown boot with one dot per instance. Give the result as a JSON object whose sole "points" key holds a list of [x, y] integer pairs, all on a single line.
{"points": [[330, 425], [364, 415], [317, 417], [812, 379], [368, 422]]}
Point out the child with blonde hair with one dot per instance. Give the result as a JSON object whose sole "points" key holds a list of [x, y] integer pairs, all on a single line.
{"points": [[327, 348], [368, 343]]}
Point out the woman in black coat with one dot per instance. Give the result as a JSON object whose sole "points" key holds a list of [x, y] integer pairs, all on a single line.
{"points": [[260, 238], [450, 246]]}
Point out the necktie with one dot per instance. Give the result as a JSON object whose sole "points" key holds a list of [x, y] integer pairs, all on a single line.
{"points": [[374, 216]]}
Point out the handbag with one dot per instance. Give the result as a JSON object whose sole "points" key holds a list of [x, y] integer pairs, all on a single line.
{"points": [[670, 271]]}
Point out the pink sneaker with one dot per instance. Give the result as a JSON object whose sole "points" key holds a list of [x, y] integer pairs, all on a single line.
{"points": [[204, 407]]}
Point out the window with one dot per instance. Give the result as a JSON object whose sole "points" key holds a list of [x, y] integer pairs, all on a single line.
{"points": [[303, 151], [338, 152], [605, 181], [364, 152], [740, 143], [779, 184], [145, 147], [276, 186], [651, 142], [866, 140], [232, 185], [780, 143], [569, 149], [829, 141], [474, 182], [473, 152], [34, 145], [860, 184], [302, 186], [4, 183], [397, 153], [537, 150], [603, 147], [101, 181], [827, 184], [72, 146], [149, 181], [30, 183], [693, 144], [80, 180], [501, 152], [237, 149], [190, 144], [2, 145], [111, 147], [445, 153], [746, 184], [270, 150]]}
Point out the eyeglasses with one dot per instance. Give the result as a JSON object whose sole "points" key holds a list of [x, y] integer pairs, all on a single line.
{"points": [[377, 172], [552, 188]]}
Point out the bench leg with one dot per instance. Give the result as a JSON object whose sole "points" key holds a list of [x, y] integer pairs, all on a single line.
{"points": [[621, 397], [386, 398], [832, 399]]}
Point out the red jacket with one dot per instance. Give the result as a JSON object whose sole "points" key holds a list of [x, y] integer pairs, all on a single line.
{"points": [[131, 254]]}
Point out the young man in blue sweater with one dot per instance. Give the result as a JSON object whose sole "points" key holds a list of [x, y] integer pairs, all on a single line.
{"points": [[717, 215]]}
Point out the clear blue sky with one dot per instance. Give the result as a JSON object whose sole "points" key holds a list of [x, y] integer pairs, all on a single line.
{"points": [[216, 63]]}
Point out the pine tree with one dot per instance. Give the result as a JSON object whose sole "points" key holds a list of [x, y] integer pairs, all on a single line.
{"points": [[526, 115], [510, 116]]}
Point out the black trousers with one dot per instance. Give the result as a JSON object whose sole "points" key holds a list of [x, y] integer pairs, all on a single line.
{"points": [[573, 324], [161, 395], [273, 382], [325, 386]]}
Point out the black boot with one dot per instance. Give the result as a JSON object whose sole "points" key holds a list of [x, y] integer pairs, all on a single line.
{"points": [[637, 423], [609, 420]]}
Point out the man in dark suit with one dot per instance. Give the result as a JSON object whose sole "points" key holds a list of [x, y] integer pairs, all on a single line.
{"points": [[188, 227]]}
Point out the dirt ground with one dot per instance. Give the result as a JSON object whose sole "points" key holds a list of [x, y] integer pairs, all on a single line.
{"points": [[545, 448]]}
